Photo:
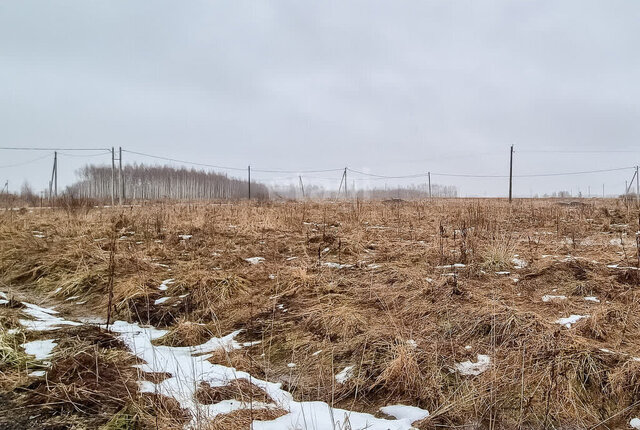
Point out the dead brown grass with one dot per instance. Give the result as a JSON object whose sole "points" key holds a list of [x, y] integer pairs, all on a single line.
{"points": [[542, 375]]}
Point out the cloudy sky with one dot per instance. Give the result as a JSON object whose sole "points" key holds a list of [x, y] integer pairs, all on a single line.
{"points": [[387, 87]]}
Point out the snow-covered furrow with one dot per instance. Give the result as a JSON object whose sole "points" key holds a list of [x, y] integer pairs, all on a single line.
{"points": [[189, 367]]}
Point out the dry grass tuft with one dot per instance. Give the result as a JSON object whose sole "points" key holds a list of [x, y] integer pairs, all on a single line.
{"points": [[238, 389], [243, 418], [186, 333]]}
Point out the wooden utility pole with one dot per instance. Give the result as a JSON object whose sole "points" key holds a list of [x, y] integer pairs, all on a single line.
{"points": [[637, 188], [249, 180], [54, 179], [55, 174], [301, 186], [113, 175], [120, 177], [346, 195], [511, 174], [429, 176]]}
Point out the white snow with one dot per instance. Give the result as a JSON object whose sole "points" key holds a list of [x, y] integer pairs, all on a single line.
{"points": [[316, 353], [189, 367], [592, 299], [519, 263], [165, 284], [184, 236], [254, 260], [291, 365], [452, 266], [635, 423], [3, 301], [291, 258], [337, 265], [31, 308], [503, 273], [470, 368], [161, 300], [44, 320], [549, 298], [402, 412], [3, 295], [38, 373], [40, 349], [572, 319], [344, 375]]}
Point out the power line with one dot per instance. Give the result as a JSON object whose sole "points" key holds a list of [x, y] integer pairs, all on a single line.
{"points": [[230, 168], [25, 162], [462, 175], [52, 149], [577, 151], [83, 155], [185, 162]]}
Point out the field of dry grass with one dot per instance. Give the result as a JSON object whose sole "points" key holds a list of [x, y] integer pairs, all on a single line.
{"points": [[452, 306]]}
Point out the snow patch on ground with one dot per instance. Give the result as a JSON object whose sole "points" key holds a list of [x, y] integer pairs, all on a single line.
{"points": [[165, 284], [518, 263], [188, 367], [43, 318], [549, 298], [161, 300], [470, 368], [572, 319], [254, 260], [635, 423], [592, 299], [452, 266], [344, 375], [337, 265], [402, 412], [40, 349]]}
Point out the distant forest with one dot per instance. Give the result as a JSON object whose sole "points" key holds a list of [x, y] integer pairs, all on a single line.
{"points": [[293, 191], [143, 182]]}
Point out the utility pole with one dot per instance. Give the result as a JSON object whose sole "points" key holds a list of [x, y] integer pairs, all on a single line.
{"points": [[301, 186], [346, 195], [53, 179], [120, 177], [510, 174], [113, 175], [637, 188], [55, 174], [429, 175], [249, 180]]}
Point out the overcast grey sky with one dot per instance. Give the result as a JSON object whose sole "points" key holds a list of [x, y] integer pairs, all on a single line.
{"points": [[391, 87]]}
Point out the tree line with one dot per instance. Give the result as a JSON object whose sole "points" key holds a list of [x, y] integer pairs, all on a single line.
{"points": [[421, 191], [142, 182]]}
